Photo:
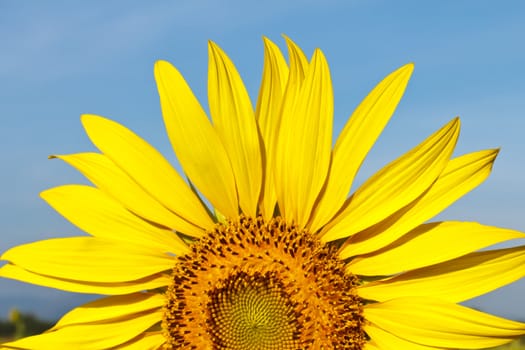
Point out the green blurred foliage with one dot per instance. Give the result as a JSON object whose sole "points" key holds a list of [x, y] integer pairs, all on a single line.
{"points": [[22, 325], [518, 344]]}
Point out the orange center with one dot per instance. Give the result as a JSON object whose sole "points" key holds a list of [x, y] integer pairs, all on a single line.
{"points": [[251, 284]]}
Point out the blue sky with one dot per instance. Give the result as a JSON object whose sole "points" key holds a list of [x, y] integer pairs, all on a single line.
{"points": [[61, 59]]}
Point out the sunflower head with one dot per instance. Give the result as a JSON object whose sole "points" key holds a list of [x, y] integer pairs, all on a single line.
{"points": [[267, 245], [253, 284]]}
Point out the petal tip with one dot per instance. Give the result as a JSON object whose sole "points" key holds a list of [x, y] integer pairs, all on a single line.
{"points": [[267, 42], [44, 194], [161, 65], [90, 119], [212, 46], [406, 70]]}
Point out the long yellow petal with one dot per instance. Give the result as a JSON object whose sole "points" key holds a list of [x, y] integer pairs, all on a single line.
{"points": [[89, 259], [455, 280], [369, 345], [396, 185], [97, 336], [152, 282], [195, 142], [268, 115], [461, 175], [96, 213], [286, 135], [109, 178], [437, 323], [357, 138], [147, 167], [111, 308], [233, 117], [430, 244], [145, 341], [385, 340], [306, 141]]}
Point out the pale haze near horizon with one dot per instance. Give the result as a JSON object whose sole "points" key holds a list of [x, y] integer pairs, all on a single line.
{"points": [[63, 59]]}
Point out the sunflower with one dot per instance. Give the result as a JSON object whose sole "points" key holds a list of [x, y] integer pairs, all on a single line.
{"points": [[262, 247]]}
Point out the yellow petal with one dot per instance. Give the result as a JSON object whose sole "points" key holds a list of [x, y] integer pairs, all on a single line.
{"points": [[396, 185], [461, 175], [145, 341], [370, 345], [147, 167], [152, 282], [455, 280], [95, 336], [195, 142], [357, 138], [305, 142], [298, 64], [385, 340], [437, 323], [89, 259], [111, 308], [285, 134], [109, 178], [430, 244], [268, 115], [96, 213], [233, 118]]}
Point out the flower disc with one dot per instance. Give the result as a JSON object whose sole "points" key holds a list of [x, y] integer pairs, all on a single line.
{"points": [[253, 312], [251, 284]]}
